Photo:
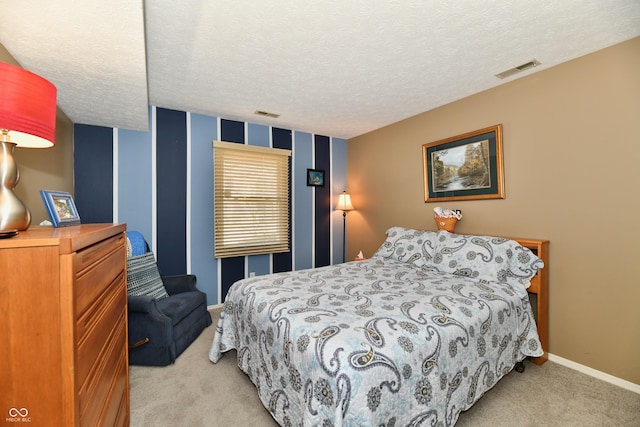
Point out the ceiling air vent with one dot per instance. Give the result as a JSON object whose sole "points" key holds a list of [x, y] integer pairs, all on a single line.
{"points": [[518, 69], [266, 114]]}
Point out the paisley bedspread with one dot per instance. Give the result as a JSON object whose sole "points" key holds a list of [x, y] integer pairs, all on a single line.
{"points": [[374, 343]]}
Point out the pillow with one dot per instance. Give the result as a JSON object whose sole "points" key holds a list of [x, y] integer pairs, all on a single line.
{"points": [[136, 245], [487, 258], [143, 277], [408, 245]]}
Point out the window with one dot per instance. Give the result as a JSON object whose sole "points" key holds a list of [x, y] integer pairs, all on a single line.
{"points": [[251, 199]]}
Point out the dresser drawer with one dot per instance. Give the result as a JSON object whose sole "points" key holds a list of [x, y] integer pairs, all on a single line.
{"points": [[95, 268], [116, 411], [123, 419], [96, 326], [109, 370]]}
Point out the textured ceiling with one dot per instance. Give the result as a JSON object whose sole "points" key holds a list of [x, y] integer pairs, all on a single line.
{"points": [[337, 68]]}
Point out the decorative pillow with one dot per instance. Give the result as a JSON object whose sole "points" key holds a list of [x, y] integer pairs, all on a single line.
{"points": [[408, 245], [487, 258], [136, 244], [143, 277]]}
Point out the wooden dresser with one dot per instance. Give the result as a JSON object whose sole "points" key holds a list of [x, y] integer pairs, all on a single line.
{"points": [[63, 327]]}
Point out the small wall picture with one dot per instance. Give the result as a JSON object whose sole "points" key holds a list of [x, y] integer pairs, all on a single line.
{"points": [[60, 207], [315, 178]]}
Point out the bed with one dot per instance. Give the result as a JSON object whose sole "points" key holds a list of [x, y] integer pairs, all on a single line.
{"points": [[411, 336]]}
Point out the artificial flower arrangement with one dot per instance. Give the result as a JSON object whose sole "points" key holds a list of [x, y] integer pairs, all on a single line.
{"points": [[446, 219]]}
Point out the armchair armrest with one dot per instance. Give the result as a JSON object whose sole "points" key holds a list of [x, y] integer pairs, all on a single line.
{"points": [[142, 304], [180, 283], [147, 324]]}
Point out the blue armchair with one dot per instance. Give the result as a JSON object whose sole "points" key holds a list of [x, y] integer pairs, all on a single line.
{"points": [[161, 328]]}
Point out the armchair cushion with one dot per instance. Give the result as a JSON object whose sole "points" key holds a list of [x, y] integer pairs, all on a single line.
{"points": [[143, 277], [179, 306]]}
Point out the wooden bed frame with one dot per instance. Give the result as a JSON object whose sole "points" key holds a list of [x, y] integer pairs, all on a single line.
{"points": [[540, 287]]}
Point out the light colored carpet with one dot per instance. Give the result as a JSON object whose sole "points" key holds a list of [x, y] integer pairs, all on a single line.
{"points": [[195, 392]]}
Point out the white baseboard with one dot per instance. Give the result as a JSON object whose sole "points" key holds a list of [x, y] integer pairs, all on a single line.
{"points": [[595, 373]]}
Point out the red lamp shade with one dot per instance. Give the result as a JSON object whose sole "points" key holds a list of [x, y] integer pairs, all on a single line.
{"points": [[27, 107]]}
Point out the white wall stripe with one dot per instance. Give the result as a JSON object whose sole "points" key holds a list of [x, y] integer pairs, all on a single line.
{"points": [[293, 201], [188, 231], [271, 146], [218, 261], [115, 175], [246, 142], [154, 184], [332, 217], [313, 203]]}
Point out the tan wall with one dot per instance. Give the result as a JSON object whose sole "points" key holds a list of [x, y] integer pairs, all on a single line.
{"points": [[572, 166], [44, 169]]}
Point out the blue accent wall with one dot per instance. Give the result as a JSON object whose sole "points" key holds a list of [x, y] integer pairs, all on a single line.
{"points": [[323, 203], [338, 185], [93, 173], [204, 130], [233, 268], [171, 192], [135, 178], [282, 139], [177, 218], [303, 202], [232, 131]]}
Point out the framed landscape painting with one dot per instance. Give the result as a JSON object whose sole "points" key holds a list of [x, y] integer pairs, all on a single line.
{"points": [[464, 167]]}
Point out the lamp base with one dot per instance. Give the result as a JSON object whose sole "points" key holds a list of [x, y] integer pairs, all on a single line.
{"points": [[14, 215], [8, 233]]}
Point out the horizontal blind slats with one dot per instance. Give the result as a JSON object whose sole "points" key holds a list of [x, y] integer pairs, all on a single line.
{"points": [[251, 197]]}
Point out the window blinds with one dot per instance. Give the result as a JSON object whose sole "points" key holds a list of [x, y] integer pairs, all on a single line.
{"points": [[251, 199]]}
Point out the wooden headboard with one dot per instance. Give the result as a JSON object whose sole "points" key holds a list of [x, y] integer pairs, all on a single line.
{"points": [[540, 287]]}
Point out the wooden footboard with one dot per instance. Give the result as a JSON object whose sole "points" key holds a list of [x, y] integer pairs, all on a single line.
{"points": [[540, 287]]}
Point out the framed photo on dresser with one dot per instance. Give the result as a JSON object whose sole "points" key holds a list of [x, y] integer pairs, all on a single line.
{"points": [[60, 207]]}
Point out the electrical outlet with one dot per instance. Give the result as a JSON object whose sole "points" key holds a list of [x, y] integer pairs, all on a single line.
{"points": [[252, 274]]}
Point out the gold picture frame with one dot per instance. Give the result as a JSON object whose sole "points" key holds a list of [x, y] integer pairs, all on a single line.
{"points": [[464, 167]]}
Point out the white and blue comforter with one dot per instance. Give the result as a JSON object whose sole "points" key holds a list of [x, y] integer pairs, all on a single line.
{"points": [[374, 343]]}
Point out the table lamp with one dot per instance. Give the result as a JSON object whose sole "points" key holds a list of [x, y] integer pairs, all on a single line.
{"points": [[27, 119]]}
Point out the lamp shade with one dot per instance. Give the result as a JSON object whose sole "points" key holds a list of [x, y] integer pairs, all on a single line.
{"points": [[27, 108], [344, 202]]}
